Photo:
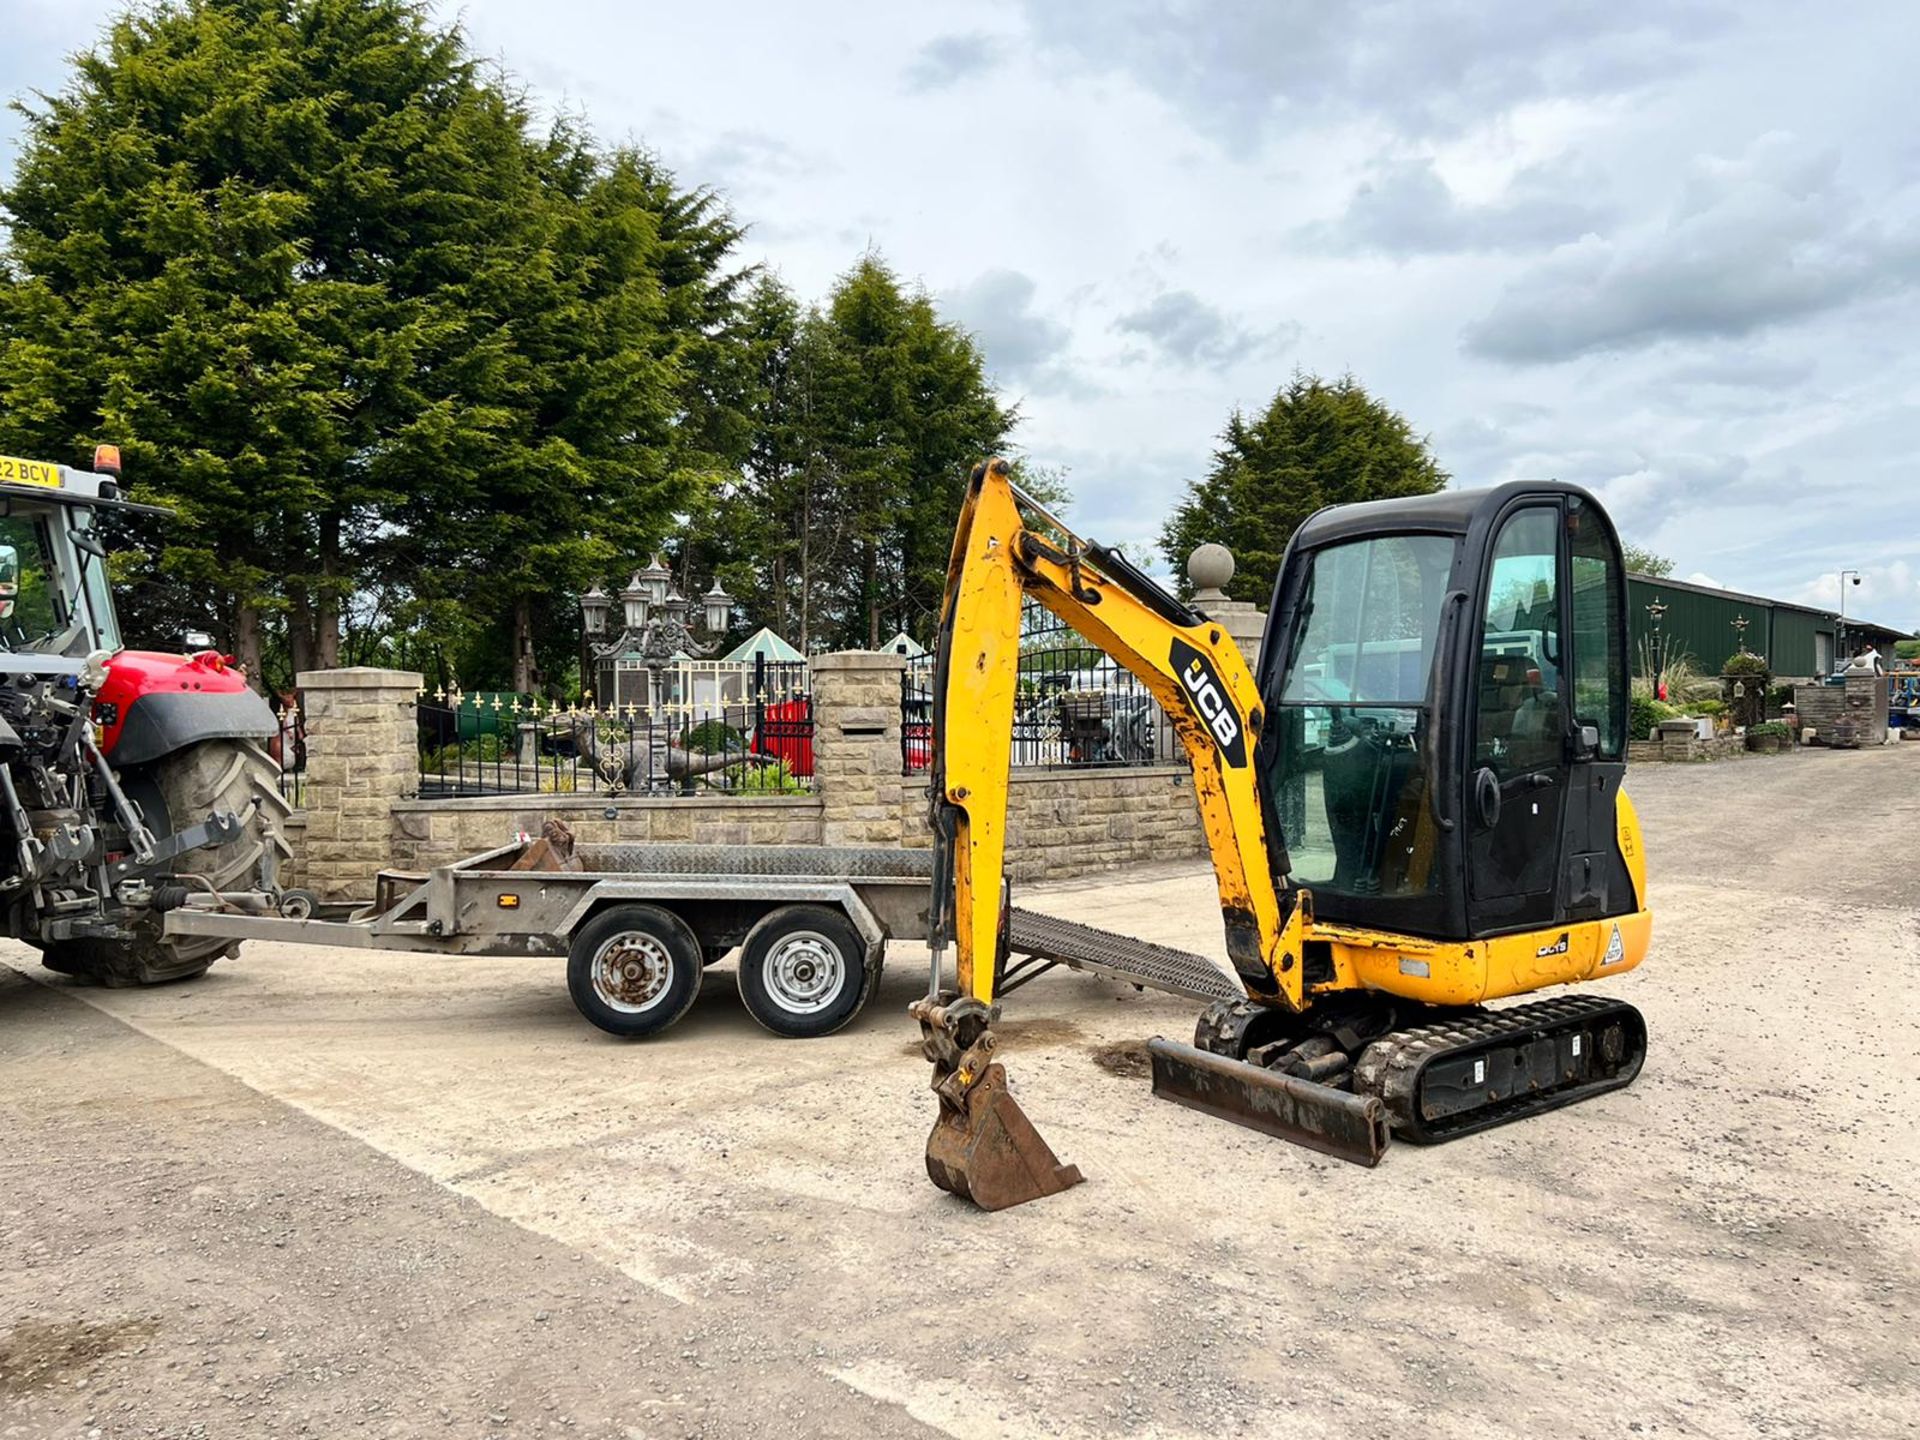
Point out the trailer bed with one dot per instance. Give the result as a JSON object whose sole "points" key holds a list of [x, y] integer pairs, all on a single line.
{"points": [[717, 898]]}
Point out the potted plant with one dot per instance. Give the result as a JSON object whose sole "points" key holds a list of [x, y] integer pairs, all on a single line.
{"points": [[1768, 737]]}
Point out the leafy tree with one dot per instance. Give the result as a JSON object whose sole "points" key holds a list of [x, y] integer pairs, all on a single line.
{"points": [[574, 367], [1642, 561], [209, 234], [866, 413], [772, 528], [902, 409], [385, 349], [1318, 443]]}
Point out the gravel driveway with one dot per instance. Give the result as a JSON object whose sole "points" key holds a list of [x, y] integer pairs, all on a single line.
{"points": [[329, 1193]]}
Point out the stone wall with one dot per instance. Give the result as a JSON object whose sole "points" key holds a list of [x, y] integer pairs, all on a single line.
{"points": [[1862, 701], [293, 872], [1063, 823], [856, 746], [362, 758], [1680, 747]]}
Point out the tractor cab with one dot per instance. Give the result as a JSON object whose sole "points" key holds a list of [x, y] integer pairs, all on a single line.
{"points": [[1446, 688], [56, 598]]}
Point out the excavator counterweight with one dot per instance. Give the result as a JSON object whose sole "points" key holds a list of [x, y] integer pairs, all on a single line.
{"points": [[1414, 808]]}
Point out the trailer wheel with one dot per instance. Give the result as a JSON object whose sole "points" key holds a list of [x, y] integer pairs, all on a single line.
{"points": [[634, 969], [803, 971]]}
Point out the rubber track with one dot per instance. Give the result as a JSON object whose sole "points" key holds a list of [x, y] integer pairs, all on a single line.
{"points": [[1391, 1066]]}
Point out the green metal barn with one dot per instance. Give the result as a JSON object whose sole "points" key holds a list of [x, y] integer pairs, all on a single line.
{"points": [[1798, 641]]}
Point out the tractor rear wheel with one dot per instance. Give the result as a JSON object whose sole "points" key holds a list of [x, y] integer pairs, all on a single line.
{"points": [[173, 792]]}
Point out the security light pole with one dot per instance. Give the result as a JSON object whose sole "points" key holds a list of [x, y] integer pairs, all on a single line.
{"points": [[1840, 640]]}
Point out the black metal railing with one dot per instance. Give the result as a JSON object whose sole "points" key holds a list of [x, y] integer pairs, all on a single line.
{"points": [[1073, 707], [288, 747], [515, 746]]}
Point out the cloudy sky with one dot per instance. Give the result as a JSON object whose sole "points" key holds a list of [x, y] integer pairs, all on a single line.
{"points": [[1667, 250]]}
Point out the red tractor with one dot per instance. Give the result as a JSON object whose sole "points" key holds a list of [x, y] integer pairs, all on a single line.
{"points": [[128, 778]]}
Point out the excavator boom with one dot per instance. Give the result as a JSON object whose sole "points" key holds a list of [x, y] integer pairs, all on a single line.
{"points": [[1188, 664]]}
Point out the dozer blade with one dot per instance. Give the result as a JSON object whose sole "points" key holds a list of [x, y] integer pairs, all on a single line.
{"points": [[990, 1153], [1351, 1127]]}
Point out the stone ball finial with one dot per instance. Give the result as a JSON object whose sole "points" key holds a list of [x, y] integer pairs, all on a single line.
{"points": [[1210, 567]]}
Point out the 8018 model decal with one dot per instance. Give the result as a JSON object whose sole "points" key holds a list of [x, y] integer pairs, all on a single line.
{"points": [[1205, 693]]}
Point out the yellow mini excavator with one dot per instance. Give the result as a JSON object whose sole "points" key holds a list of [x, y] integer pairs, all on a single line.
{"points": [[1413, 809]]}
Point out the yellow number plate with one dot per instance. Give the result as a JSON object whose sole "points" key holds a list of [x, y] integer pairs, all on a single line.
{"points": [[27, 472]]}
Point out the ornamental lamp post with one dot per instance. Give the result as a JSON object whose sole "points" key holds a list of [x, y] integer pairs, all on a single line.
{"points": [[633, 602], [1655, 609], [716, 608], [594, 606]]}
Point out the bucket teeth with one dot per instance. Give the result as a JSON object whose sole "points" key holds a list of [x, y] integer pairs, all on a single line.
{"points": [[987, 1150], [1351, 1127]]}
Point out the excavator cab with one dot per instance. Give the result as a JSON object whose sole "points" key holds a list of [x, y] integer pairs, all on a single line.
{"points": [[1446, 690]]}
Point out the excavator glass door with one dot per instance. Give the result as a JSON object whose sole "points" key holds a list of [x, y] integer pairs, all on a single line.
{"points": [[1548, 723], [1349, 778], [1519, 775]]}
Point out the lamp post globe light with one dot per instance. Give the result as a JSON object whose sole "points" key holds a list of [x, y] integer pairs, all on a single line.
{"points": [[594, 606], [633, 603], [655, 580], [717, 608]]}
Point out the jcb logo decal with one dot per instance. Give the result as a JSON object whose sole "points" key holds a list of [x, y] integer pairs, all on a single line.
{"points": [[1208, 697]]}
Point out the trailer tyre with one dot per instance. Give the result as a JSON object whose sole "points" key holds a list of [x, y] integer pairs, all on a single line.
{"points": [[634, 969], [803, 971]]}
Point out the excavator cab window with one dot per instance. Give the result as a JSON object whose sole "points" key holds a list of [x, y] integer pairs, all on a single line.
{"points": [[1599, 658], [1348, 779]]}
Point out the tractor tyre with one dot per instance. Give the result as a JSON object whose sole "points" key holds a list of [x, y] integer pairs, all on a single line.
{"points": [[178, 790]]}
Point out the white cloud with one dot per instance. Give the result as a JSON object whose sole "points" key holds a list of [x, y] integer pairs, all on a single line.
{"points": [[1189, 331], [1764, 239], [1405, 208], [1022, 344]]}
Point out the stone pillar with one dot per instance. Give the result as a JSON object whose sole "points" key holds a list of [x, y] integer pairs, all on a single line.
{"points": [[1210, 567], [856, 746], [363, 754]]}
